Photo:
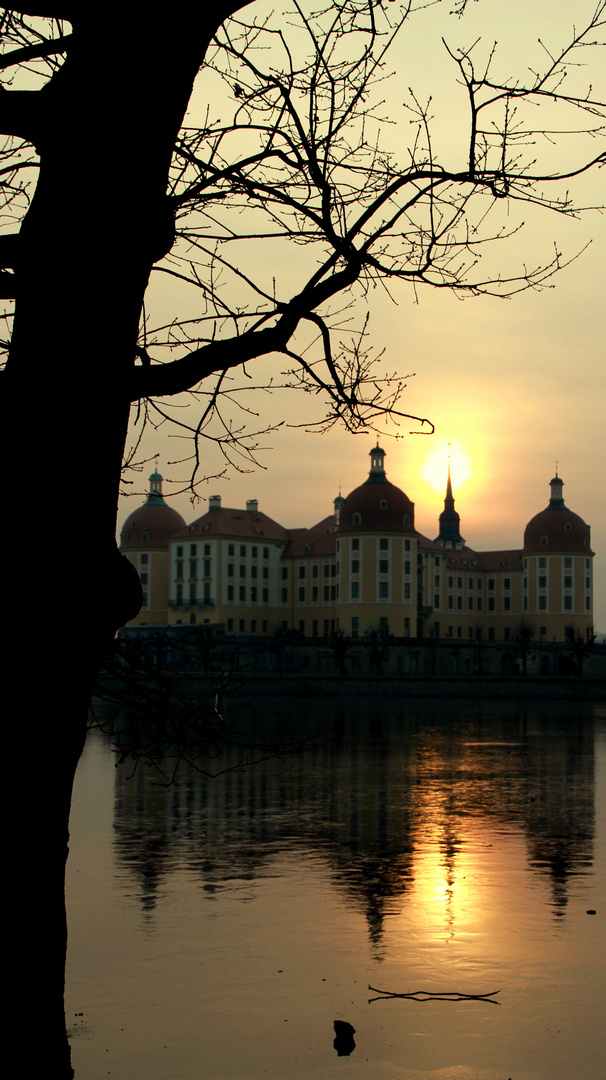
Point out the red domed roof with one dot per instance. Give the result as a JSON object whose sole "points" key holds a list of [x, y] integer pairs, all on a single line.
{"points": [[381, 507], [150, 526], [557, 529]]}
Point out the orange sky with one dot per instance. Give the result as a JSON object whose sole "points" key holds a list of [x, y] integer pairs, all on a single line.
{"points": [[513, 385]]}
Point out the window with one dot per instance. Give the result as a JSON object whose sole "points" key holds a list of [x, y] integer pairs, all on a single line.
{"points": [[436, 562], [436, 601], [491, 603], [179, 568], [407, 545], [355, 622], [355, 590], [491, 633], [284, 595], [542, 603], [459, 583], [355, 544], [451, 582], [230, 569], [179, 594], [242, 593], [254, 551], [542, 563], [568, 563], [479, 583], [314, 571], [491, 584], [383, 590], [326, 570], [436, 580], [355, 566], [459, 603], [207, 568], [507, 633], [450, 603], [207, 549], [180, 552], [383, 504], [266, 553], [470, 583], [383, 544], [266, 572], [253, 626], [144, 560], [230, 624], [242, 570], [568, 603], [406, 521], [230, 549], [242, 551], [326, 593], [383, 566], [587, 604], [507, 583], [264, 626], [567, 527], [470, 603], [144, 600], [193, 567], [192, 617], [357, 519], [192, 593], [407, 591], [542, 581], [143, 579], [265, 596], [407, 567], [301, 571], [253, 571], [507, 603], [543, 541], [302, 594], [253, 595], [242, 625], [192, 549], [314, 593], [568, 582], [479, 603], [230, 592], [284, 573]]}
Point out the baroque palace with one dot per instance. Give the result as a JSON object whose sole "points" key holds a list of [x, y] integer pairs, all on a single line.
{"points": [[363, 568]]}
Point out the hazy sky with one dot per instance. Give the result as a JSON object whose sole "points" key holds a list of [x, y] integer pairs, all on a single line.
{"points": [[513, 385]]}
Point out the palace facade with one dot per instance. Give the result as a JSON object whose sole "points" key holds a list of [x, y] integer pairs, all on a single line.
{"points": [[363, 568]]}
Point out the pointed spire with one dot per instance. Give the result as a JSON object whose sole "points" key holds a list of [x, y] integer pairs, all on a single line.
{"points": [[449, 535]]}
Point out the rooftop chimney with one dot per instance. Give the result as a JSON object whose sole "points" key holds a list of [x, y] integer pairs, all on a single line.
{"points": [[252, 505], [214, 502]]}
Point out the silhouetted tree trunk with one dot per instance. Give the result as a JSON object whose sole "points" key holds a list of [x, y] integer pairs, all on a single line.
{"points": [[104, 128]]}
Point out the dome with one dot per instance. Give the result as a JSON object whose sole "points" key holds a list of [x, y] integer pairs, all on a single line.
{"points": [[377, 505], [152, 525], [557, 528]]}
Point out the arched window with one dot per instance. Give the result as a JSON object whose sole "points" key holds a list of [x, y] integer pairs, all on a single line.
{"points": [[567, 527], [357, 519], [383, 504], [543, 541], [406, 520]]}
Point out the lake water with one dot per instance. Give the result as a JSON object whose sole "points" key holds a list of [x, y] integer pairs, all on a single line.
{"points": [[220, 925]]}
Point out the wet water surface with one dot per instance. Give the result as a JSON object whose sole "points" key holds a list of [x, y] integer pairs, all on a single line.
{"points": [[220, 925]]}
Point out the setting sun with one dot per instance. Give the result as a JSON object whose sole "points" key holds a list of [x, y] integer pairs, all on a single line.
{"points": [[435, 468]]}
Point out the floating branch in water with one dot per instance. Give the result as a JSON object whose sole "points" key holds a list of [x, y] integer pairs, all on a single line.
{"points": [[428, 995]]}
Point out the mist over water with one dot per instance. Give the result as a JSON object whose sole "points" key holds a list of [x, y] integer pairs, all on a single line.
{"points": [[220, 925]]}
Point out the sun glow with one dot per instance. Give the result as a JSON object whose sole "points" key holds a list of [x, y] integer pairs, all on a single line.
{"points": [[434, 470]]}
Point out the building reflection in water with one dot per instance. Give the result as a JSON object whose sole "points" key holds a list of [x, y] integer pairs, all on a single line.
{"points": [[398, 803]]}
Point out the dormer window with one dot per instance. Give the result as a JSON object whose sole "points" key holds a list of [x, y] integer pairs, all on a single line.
{"points": [[406, 520], [357, 519], [383, 504], [543, 541], [567, 527]]}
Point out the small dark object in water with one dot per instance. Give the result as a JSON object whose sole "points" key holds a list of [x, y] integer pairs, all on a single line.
{"points": [[591, 911], [344, 1038]]}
